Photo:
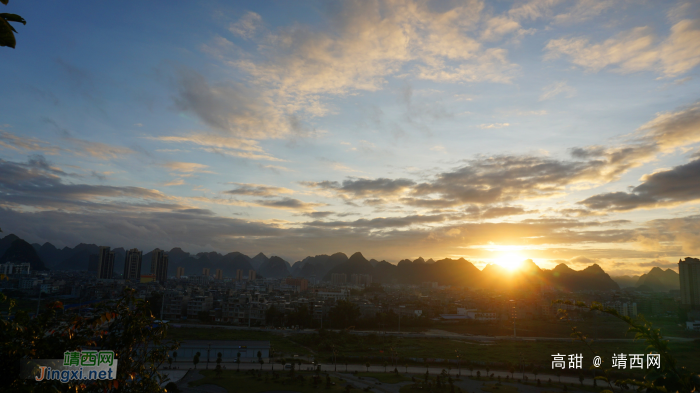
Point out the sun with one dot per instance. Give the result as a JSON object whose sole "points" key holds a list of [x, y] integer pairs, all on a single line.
{"points": [[510, 261]]}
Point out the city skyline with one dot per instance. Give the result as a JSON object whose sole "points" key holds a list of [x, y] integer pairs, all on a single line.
{"points": [[557, 131]]}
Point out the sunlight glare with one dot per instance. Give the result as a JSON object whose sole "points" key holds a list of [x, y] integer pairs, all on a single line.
{"points": [[510, 261]]}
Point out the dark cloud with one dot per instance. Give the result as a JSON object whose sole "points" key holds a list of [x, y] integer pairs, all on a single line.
{"points": [[256, 190], [287, 203], [359, 188], [680, 184], [318, 214], [496, 211], [382, 222], [38, 184]]}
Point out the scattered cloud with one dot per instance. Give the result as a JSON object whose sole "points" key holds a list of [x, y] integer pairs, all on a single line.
{"points": [[663, 188], [635, 50], [187, 167], [555, 89], [257, 190], [493, 125]]}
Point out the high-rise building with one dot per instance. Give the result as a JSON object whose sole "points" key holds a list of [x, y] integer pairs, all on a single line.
{"points": [[361, 279], [251, 275], [159, 265], [132, 264], [689, 274], [219, 274], [156, 255], [301, 284], [162, 270], [239, 275], [205, 271], [180, 272], [105, 263], [339, 279]]}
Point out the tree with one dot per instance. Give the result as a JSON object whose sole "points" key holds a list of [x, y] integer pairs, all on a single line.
{"points": [[124, 325], [7, 38], [195, 360], [170, 362], [175, 356], [343, 314], [238, 360], [218, 365]]}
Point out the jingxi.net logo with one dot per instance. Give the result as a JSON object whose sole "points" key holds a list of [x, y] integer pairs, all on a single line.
{"points": [[75, 366]]}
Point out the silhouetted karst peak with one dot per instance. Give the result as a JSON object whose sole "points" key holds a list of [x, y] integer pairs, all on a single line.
{"points": [[357, 257], [21, 251]]}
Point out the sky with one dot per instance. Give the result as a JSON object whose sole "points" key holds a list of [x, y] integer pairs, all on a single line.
{"points": [[561, 131]]}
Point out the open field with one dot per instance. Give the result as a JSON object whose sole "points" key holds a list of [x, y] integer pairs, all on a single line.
{"points": [[529, 352], [279, 342], [240, 382], [388, 377], [599, 327]]}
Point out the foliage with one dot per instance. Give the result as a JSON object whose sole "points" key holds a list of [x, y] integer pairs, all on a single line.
{"points": [[343, 314], [7, 37], [669, 377], [124, 326]]}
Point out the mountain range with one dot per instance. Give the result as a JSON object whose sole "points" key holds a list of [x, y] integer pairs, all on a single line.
{"points": [[457, 272], [656, 280]]}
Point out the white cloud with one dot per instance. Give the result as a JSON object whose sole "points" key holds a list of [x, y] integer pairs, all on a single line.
{"points": [[555, 89]]}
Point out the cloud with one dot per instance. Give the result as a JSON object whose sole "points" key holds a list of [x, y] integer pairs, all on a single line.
{"points": [[187, 167], [37, 184], [237, 147], [680, 184], [247, 26], [583, 10], [99, 150], [555, 89], [360, 188], [381, 222], [635, 50], [175, 182], [232, 107], [288, 204], [257, 190], [14, 142], [493, 125]]}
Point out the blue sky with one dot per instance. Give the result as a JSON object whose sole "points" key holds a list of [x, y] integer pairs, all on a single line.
{"points": [[562, 131]]}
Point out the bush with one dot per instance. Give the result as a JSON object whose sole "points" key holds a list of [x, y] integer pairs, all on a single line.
{"points": [[172, 387]]}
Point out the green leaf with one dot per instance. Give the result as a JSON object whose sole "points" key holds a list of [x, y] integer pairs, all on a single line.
{"points": [[6, 36], [14, 18]]}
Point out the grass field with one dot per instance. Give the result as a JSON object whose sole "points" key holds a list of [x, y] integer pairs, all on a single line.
{"points": [[599, 327], [537, 352], [384, 377], [279, 343], [240, 382]]}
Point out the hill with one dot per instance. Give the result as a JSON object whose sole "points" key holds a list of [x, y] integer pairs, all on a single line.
{"points": [[21, 251], [660, 280]]}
